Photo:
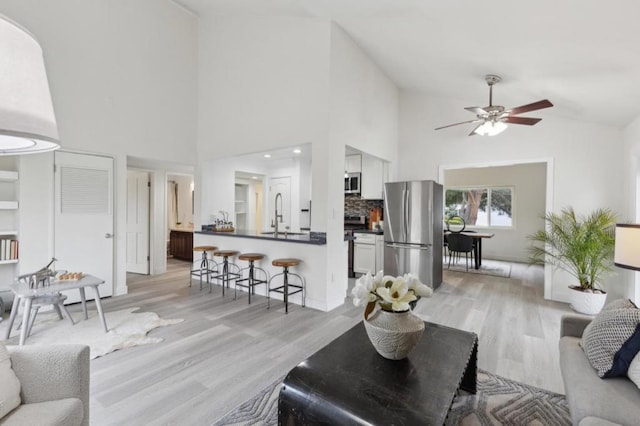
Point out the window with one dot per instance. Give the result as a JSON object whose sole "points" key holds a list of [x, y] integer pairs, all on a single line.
{"points": [[482, 206]]}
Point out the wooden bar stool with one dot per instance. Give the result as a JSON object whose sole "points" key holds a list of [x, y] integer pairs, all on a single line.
{"points": [[230, 271], [284, 289], [251, 281], [207, 267]]}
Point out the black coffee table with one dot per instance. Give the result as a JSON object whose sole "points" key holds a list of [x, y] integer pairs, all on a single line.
{"points": [[348, 383]]}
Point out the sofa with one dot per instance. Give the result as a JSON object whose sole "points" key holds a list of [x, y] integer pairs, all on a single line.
{"points": [[592, 400], [54, 385]]}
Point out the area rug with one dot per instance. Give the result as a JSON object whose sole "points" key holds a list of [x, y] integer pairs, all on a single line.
{"points": [[488, 267], [499, 401], [126, 329]]}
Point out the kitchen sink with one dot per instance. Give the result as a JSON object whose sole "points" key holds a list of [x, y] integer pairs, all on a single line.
{"points": [[283, 233]]}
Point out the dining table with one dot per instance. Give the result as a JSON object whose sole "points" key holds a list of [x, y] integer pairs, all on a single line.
{"points": [[27, 293], [477, 237]]}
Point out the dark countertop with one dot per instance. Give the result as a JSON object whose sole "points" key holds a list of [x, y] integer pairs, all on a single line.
{"points": [[290, 238]]}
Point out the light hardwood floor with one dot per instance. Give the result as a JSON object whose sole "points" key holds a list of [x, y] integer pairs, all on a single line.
{"points": [[227, 350]]}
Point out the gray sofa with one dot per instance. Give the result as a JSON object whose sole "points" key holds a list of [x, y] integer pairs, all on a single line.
{"points": [[54, 385], [592, 400]]}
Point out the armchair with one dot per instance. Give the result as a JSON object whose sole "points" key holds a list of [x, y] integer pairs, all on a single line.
{"points": [[54, 385]]}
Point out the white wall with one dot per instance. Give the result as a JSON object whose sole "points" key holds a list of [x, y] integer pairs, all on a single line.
{"points": [[269, 82], [630, 280], [123, 79], [528, 204], [363, 113], [586, 156]]}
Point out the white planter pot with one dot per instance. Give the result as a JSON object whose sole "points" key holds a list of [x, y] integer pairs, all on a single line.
{"points": [[587, 303]]}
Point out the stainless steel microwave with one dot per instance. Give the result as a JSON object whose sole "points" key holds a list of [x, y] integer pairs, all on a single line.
{"points": [[352, 183]]}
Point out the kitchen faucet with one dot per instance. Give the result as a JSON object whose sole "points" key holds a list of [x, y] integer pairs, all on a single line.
{"points": [[275, 223]]}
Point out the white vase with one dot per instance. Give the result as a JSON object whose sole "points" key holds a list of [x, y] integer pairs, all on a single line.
{"points": [[586, 303], [394, 334]]}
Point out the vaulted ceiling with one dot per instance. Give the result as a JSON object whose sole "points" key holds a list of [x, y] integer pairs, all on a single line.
{"points": [[583, 55]]}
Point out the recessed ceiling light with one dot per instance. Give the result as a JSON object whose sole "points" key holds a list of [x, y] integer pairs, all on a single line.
{"points": [[254, 177], [297, 151], [267, 156]]}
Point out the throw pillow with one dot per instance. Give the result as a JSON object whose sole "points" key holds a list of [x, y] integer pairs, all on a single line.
{"points": [[612, 339], [619, 304], [634, 370], [9, 384]]}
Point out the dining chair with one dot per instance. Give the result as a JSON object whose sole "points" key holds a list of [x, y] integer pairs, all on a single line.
{"points": [[457, 244]]}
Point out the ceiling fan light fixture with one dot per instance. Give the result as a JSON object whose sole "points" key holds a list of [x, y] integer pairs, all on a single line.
{"points": [[491, 128]]}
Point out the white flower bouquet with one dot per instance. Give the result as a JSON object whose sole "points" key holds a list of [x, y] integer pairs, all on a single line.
{"points": [[392, 293]]}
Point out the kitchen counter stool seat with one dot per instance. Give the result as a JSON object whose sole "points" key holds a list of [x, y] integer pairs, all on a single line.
{"points": [[207, 268], [230, 271], [251, 280], [286, 289]]}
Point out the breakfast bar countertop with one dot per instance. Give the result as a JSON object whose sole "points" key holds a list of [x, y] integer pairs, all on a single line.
{"points": [[295, 237]]}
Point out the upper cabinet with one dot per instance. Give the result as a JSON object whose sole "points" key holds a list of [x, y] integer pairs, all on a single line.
{"points": [[374, 174], [353, 163]]}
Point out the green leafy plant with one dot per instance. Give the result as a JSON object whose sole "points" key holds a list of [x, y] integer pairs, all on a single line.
{"points": [[580, 245]]}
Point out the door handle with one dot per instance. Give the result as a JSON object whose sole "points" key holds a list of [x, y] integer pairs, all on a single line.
{"points": [[423, 247], [108, 235]]}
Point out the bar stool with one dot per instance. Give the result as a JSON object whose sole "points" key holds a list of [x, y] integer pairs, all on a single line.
{"points": [[251, 281], [230, 271], [208, 266], [284, 288]]}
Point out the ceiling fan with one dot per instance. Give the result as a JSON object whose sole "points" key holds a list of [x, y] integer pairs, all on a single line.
{"points": [[493, 119]]}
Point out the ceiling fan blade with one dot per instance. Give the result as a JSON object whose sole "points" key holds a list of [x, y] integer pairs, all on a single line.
{"points": [[457, 124], [476, 110], [528, 121], [473, 132], [530, 107]]}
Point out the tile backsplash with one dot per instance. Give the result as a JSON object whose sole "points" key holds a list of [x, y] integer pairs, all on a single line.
{"points": [[356, 206]]}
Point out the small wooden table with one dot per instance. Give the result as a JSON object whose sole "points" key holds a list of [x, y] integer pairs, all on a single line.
{"points": [[348, 382], [22, 291], [478, 237]]}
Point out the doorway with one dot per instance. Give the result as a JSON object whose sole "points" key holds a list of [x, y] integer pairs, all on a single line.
{"points": [[179, 207], [527, 216]]}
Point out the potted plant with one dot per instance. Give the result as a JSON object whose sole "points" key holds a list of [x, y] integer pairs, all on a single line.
{"points": [[582, 246]]}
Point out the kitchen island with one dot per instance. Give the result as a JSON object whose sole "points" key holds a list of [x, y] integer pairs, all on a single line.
{"points": [[309, 248]]}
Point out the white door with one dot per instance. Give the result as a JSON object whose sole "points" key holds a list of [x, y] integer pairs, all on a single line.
{"points": [[83, 228], [138, 186], [280, 185]]}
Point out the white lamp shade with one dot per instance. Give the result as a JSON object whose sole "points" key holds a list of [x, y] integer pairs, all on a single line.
{"points": [[27, 121], [627, 248], [490, 128]]}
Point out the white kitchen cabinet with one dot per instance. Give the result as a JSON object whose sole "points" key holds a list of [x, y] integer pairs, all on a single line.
{"points": [[371, 186], [353, 163], [364, 256], [368, 253], [379, 252]]}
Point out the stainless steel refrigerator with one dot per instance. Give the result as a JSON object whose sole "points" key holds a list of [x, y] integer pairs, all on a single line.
{"points": [[413, 236]]}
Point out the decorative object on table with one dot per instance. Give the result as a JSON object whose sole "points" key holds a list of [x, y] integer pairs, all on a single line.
{"points": [[498, 401], [127, 329], [583, 246], [455, 224], [392, 329], [70, 276], [27, 123]]}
